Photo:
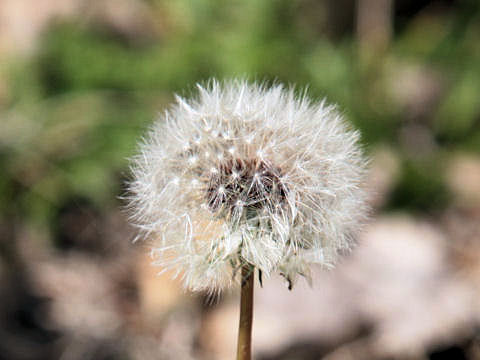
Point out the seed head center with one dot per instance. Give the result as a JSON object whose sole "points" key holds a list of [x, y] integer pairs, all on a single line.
{"points": [[250, 182]]}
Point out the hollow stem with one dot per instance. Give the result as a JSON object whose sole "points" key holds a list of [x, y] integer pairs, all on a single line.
{"points": [[244, 345]]}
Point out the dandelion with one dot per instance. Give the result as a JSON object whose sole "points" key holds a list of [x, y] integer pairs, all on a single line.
{"points": [[242, 178]]}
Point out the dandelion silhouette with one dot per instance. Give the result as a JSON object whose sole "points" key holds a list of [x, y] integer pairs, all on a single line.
{"points": [[247, 177]]}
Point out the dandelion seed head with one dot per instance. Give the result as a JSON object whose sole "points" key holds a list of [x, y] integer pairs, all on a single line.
{"points": [[245, 174]]}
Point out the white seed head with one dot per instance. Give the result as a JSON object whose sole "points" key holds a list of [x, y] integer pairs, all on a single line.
{"points": [[283, 191]]}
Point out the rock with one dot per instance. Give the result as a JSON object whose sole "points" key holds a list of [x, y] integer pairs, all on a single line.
{"points": [[463, 178], [383, 174]]}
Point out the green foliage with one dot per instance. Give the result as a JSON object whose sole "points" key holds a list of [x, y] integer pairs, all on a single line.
{"points": [[75, 110], [420, 188], [74, 58]]}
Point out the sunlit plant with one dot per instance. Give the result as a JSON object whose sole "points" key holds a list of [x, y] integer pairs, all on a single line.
{"points": [[243, 178]]}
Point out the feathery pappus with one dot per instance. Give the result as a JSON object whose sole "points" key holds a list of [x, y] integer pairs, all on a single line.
{"points": [[244, 174]]}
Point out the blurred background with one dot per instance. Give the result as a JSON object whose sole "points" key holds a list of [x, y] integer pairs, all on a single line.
{"points": [[81, 80]]}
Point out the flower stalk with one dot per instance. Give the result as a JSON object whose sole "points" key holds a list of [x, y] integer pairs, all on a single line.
{"points": [[244, 344]]}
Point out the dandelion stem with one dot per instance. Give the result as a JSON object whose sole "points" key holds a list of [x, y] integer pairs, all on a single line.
{"points": [[244, 345]]}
